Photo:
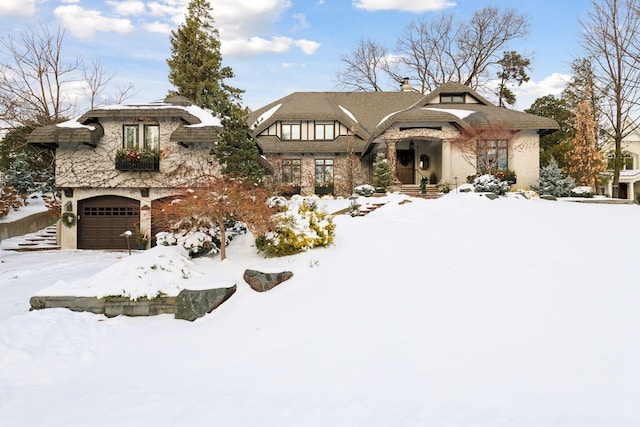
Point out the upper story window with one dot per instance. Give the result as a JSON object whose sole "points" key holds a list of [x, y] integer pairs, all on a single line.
{"points": [[291, 131], [627, 162], [452, 98], [492, 156], [140, 148], [325, 131], [142, 138]]}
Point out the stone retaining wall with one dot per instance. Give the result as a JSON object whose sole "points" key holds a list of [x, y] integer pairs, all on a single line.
{"points": [[110, 307], [29, 224]]}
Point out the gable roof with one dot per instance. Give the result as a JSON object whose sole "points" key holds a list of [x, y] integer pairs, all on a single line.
{"points": [[199, 125], [372, 113]]}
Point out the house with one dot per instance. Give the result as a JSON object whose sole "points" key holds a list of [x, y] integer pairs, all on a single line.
{"points": [[115, 163], [320, 142], [629, 186]]}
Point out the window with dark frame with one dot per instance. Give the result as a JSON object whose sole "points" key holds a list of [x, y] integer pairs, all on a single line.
{"points": [[324, 172], [452, 98], [324, 131], [492, 156], [291, 131], [291, 171]]}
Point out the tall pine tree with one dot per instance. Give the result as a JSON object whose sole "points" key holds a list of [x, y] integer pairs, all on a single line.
{"points": [[195, 69]]}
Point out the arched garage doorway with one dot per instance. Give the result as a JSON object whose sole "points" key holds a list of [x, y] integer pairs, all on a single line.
{"points": [[102, 220]]}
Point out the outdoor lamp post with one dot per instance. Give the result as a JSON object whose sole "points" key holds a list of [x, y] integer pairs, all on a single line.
{"points": [[126, 235]]}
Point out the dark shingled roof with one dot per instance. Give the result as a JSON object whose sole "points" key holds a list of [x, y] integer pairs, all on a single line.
{"points": [[87, 130], [371, 113]]}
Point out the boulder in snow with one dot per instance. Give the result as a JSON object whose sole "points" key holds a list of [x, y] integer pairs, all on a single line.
{"points": [[192, 304], [262, 282]]}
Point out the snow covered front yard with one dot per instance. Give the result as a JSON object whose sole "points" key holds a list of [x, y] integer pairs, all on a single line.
{"points": [[460, 311]]}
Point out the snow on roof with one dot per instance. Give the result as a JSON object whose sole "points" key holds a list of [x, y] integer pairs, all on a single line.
{"points": [[206, 117], [461, 114], [265, 116], [74, 124], [348, 113]]}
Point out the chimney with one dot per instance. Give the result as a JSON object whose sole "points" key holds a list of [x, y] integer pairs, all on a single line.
{"points": [[405, 86]]}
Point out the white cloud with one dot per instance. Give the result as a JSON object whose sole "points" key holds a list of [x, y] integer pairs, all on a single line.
{"points": [[85, 23], [416, 6], [23, 8], [302, 23], [309, 47], [158, 27], [128, 7]]}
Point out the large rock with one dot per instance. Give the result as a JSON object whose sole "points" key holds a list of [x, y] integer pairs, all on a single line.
{"points": [[262, 282], [192, 304]]}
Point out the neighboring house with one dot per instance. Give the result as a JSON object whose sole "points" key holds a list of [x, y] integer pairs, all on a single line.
{"points": [[629, 187], [321, 142], [115, 163]]}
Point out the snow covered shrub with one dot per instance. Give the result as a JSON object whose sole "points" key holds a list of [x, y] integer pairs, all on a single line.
{"points": [[490, 184], [199, 236], [582, 191], [298, 231], [354, 208], [365, 190], [553, 181]]}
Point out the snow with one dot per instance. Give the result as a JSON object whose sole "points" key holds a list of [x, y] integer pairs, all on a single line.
{"points": [[74, 124], [265, 116], [461, 311], [348, 113], [36, 205], [461, 114]]}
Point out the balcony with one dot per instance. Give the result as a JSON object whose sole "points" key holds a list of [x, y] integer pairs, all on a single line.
{"points": [[132, 160]]}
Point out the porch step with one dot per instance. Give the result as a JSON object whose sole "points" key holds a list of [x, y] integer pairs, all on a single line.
{"points": [[413, 190], [370, 208]]}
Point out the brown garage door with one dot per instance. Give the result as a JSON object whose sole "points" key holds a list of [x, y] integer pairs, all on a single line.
{"points": [[102, 220]]}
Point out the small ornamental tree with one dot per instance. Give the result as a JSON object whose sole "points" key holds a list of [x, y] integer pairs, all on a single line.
{"points": [[221, 201], [553, 181], [382, 174]]}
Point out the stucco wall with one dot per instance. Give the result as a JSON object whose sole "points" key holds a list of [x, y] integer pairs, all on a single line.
{"points": [[79, 165]]}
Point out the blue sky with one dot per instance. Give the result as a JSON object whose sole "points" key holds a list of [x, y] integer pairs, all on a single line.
{"points": [[276, 47]]}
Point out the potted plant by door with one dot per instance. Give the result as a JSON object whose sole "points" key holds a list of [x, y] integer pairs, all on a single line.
{"points": [[141, 239]]}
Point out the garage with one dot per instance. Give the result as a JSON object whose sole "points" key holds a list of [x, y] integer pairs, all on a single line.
{"points": [[101, 221]]}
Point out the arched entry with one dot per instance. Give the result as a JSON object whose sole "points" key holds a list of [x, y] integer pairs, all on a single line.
{"points": [[102, 219]]}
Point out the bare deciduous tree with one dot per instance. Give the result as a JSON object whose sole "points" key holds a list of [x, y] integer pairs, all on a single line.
{"points": [[364, 66], [446, 51], [32, 80], [610, 34]]}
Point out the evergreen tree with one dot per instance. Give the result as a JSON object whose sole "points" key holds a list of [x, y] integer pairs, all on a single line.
{"points": [[513, 69], [382, 174], [555, 145], [195, 66], [195, 69], [553, 181]]}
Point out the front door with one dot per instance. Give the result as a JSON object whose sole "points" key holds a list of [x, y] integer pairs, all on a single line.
{"points": [[623, 191], [405, 166]]}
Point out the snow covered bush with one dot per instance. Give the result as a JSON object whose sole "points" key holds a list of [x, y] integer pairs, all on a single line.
{"points": [[490, 184], [553, 181], [365, 190], [582, 191], [298, 230], [199, 236]]}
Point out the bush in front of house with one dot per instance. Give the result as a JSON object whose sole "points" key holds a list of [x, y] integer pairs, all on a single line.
{"points": [[490, 184], [199, 236], [364, 190], [297, 231], [553, 181], [382, 174], [582, 191]]}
